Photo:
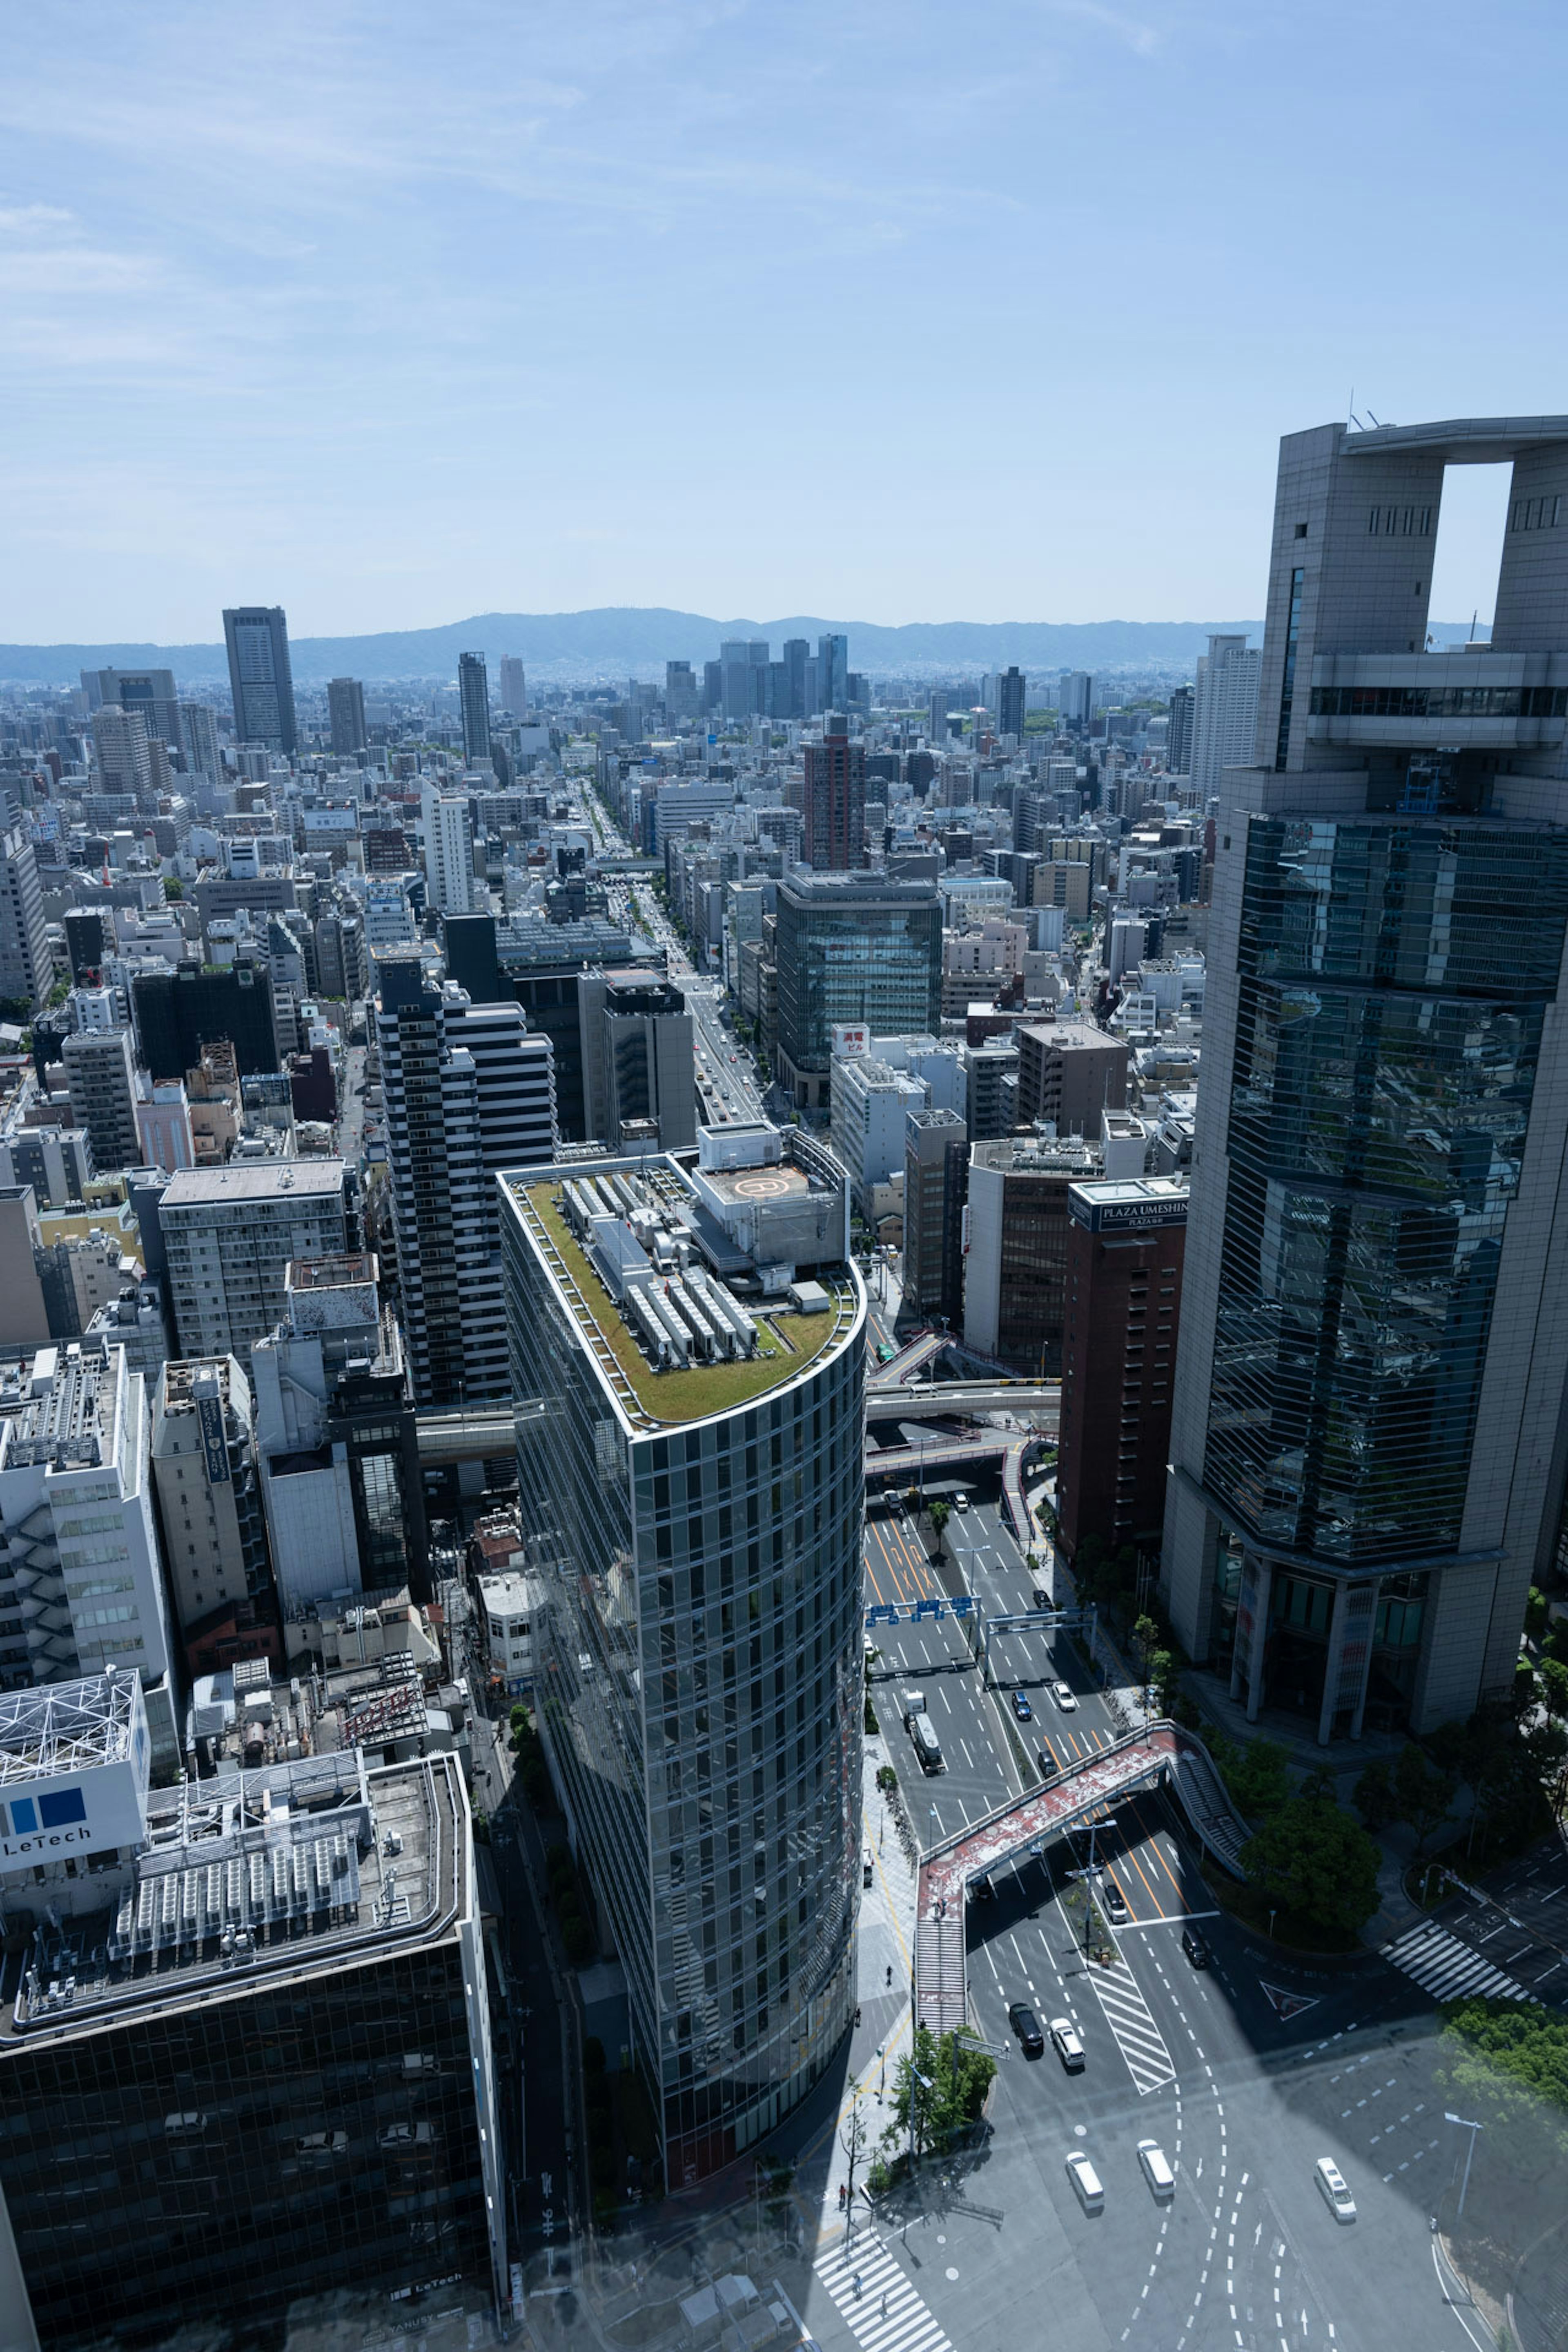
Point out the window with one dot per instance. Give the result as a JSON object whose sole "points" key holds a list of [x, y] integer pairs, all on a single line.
{"points": [[1535, 514], [1399, 522], [1300, 531]]}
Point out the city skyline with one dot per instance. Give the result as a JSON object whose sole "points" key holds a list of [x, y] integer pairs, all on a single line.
{"points": [[453, 238]]}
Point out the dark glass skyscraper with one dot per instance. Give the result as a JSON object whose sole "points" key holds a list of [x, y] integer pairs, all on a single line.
{"points": [[1369, 1442], [692, 1479], [260, 676]]}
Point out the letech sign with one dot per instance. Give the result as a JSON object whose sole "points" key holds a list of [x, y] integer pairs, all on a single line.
{"points": [[33, 1826]]}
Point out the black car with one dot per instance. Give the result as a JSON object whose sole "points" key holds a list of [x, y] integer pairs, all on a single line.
{"points": [[1196, 1950], [1027, 2026], [981, 1889], [1115, 1901], [1046, 1761], [1039, 1599]]}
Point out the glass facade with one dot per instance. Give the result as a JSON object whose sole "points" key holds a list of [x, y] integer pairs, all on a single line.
{"points": [[202, 2167], [848, 952], [1393, 979], [698, 1674]]}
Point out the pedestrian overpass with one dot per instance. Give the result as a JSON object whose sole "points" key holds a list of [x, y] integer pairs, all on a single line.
{"points": [[1160, 1756]]}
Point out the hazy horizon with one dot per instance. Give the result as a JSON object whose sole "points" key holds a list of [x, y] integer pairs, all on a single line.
{"points": [[384, 319]]}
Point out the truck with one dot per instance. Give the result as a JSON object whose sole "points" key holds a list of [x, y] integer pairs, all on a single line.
{"points": [[928, 1747]]}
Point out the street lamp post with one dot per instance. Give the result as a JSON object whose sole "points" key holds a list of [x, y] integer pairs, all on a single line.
{"points": [[1464, 2125]]}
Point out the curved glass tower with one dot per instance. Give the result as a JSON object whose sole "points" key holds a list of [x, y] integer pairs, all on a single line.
{"points": [[689, 1451]]}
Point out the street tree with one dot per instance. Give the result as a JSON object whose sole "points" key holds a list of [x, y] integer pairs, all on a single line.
{"points": [[1311, 1859], [1424, 1796]]}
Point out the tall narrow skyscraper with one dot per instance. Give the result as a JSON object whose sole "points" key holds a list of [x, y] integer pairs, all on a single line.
{"points": [[1224, 711], [1075, 699], [1369, 1442], [1179, 733], [1010, 687], [514, 687], [833, 672], [835, 823], [474, 693], [260, 676], [468, 1091], [345, 715]]}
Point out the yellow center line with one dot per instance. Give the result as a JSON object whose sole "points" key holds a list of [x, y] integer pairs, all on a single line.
{"points": [[1151, 1834]]}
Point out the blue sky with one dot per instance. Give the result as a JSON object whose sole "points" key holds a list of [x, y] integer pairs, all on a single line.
{"points": [[396, 313]]}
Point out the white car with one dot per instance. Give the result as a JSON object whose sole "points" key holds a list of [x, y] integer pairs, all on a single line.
{"points": [[1085, 2181], [1333, 2188], [1157, 2169], [1065, 1698], [1066, 2044]]}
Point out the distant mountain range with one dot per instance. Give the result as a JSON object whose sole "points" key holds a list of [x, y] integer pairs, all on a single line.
{"points": [[641, 638], [630, 639]]}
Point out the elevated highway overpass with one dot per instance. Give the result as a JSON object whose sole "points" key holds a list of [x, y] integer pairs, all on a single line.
{"points": [[1031, 1398]]}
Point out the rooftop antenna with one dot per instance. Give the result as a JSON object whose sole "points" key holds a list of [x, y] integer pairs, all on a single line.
{"points": [[1373, 419], [1475, 616]]}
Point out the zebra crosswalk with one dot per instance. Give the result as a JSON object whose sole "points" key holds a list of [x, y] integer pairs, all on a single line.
{"points": [[1132, 2020], [875, 2301], [1446, 1968]]}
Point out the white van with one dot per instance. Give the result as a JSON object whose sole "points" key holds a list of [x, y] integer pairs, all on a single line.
{"points": [[1334, 2190], [1085, 2181], [1157, 2169]]}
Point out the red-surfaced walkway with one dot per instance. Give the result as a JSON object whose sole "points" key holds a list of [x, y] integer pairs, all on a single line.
{"points": [[1162, 1752]]}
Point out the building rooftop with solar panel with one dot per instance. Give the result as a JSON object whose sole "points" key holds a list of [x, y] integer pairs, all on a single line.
{"points": [[696, 1280]]}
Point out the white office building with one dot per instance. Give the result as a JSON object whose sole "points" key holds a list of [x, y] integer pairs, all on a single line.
{"points": [[81, 1588], [449, 853]]}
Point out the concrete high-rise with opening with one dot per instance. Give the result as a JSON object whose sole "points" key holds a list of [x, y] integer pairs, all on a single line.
{"points": [[1369, 1446], [260, 679], [689, 1367]]}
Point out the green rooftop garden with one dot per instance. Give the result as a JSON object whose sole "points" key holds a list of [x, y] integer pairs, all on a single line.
{"points": [[705, 1389]]}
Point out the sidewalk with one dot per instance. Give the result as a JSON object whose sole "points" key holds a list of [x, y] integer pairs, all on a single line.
{"points": [[886, 1941]]}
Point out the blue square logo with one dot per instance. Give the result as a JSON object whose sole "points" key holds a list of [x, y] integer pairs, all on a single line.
{"points": [[61, 1806], [24, 1817]]}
